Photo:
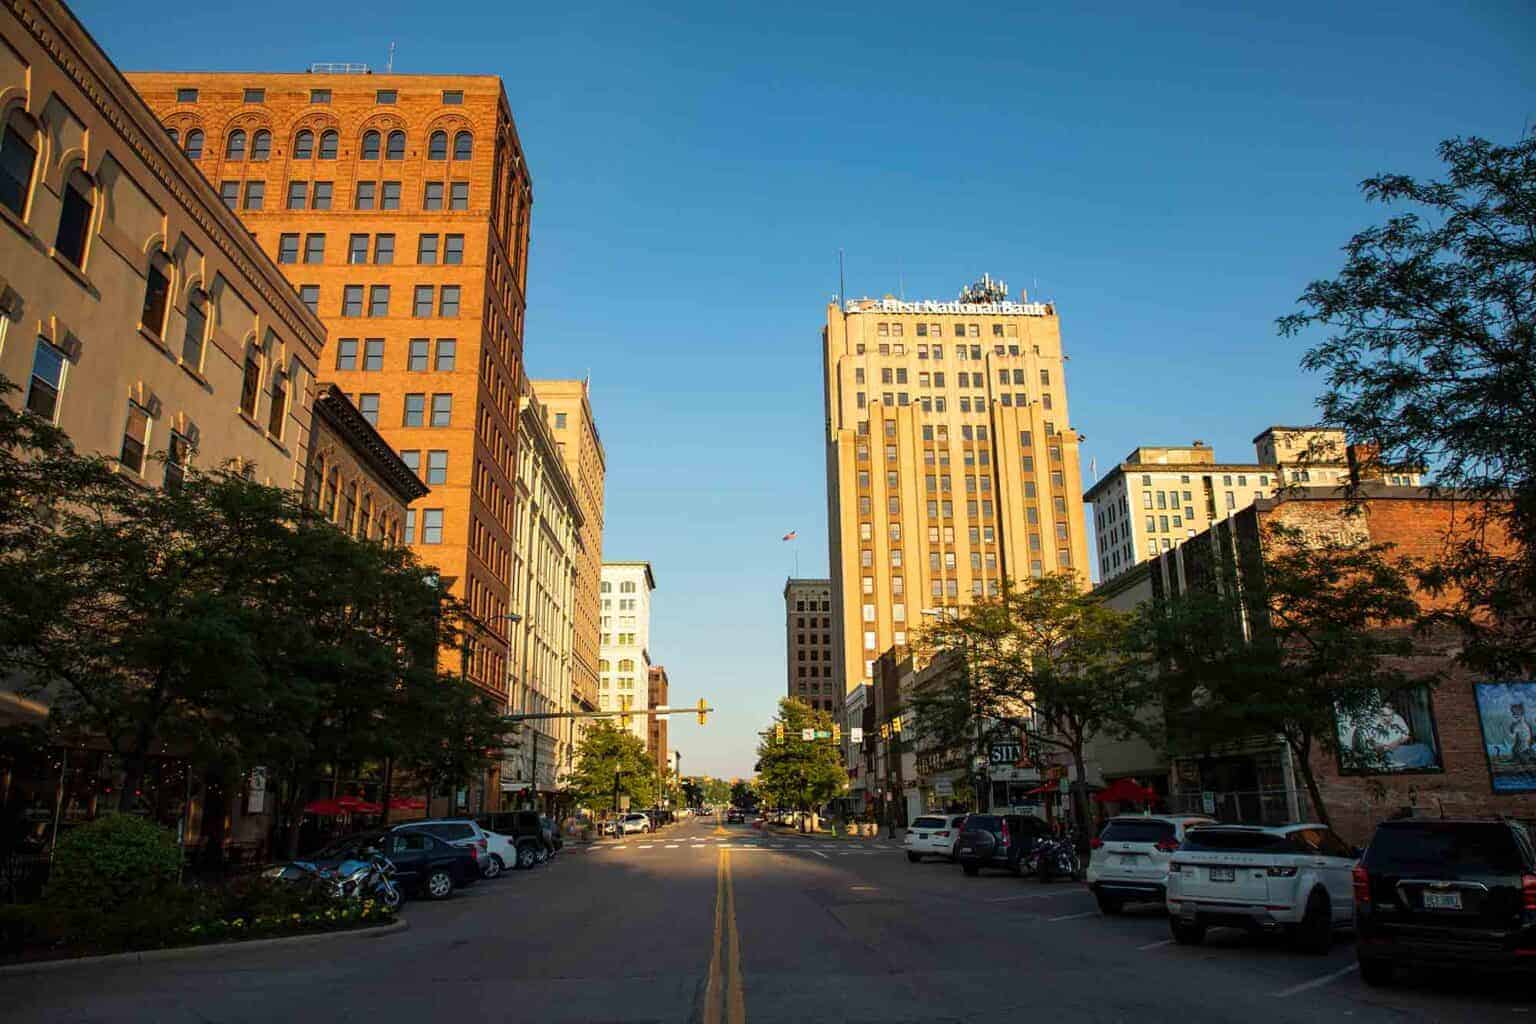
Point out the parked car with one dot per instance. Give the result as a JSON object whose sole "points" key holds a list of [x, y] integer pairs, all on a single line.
{"points": [[1290, 878], [1458, 893], [735, 816], [424, 864], [1128, 860], [530, 842], [634, 821], [935, 835], [999, 841], [458, 831]]}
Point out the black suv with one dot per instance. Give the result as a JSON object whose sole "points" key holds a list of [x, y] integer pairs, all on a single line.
{"points": [[998, 841], [533, 841], [1458, 893]]}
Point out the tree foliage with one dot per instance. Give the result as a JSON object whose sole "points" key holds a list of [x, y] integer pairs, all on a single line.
{"points": [[1317, 634], [1430, 353], [743, 795], [797, 773], [612, 761], [1043, 660]]}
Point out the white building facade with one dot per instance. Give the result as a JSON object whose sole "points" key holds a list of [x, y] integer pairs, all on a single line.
{"points": [[624, 643]]}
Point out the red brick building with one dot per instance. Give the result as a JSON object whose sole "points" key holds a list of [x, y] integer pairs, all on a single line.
{"points": [[1444, 755]]}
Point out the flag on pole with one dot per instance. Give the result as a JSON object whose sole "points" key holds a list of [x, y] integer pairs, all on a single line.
{"points": [[790, 535]]}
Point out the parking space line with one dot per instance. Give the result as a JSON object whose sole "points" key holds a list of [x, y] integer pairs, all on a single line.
{"points": [[821, 855], [1154, 945], [1074, 917], [1039, 896], [1307, 986]]}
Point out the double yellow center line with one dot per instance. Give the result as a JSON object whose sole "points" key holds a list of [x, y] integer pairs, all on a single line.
{"points": [[723, 998]]}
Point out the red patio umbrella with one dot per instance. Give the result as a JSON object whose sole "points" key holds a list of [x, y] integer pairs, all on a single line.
{"points": [[1049, 787], [407, 803], [365, 807], [325, 808], [1126, 791]]}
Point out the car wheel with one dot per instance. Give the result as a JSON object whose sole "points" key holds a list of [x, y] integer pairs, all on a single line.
{"points": [[914, 857], [439, 884], [1108, 904], [493, 867], [1186, 933], [1315, 933], [527, 856], [971, 869], [1376, 972]]}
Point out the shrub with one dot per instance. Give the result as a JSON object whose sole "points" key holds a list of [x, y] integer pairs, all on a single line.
{"points": [[111, 862]]}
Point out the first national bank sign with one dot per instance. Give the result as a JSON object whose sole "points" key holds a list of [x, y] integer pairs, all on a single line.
{"points": [[963, 308]]}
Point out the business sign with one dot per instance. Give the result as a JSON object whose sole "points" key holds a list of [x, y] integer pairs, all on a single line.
{"points": [[963, 308], [1208, 802], [856, 734], [1006, 752], [807, 734], [944, 787], [823, 734]]}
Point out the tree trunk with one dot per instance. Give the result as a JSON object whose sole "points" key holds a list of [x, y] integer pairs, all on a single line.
{"points": [[1304, 765], [215, 808], [1080, 795], [133, 780]]}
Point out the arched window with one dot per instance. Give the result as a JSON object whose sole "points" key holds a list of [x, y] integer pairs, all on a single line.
{"points": [[437, 146], [250, 384], [626, 664], [370, 146], [261, 145], [197, 330], [195, 144], [365, 522], [314, 480], [463, 146], [332, 489], [328, 141], [175, 135], [18, 158], [304, 145], [234, 149], [157, 295], [75, 218], [394, 149]]}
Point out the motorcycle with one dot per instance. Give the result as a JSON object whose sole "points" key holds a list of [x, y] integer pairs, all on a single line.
{"points": [[1057, 857], [369, 878]]}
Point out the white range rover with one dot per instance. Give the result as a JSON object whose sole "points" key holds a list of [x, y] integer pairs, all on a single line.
{"points": [[1291, 878]]}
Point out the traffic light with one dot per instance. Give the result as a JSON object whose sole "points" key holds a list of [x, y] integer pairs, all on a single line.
{"points": [[624, 716], [703, 711], [885, 731], [896, 726], [778, 732], [837, 733]]}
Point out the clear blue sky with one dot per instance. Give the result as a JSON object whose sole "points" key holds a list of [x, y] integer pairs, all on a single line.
{"points": [[1171, 176]]}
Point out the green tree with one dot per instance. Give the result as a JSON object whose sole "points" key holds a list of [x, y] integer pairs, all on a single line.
{"points": [[1314, 634], [612, 762], [1430, 354], [797, 773], [1045, 661], [744, 796], [717, 792]]}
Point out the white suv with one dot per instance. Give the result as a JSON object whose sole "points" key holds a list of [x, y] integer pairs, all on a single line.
{"points": [[1128, 860], [634, 822], [1291, 878], [935, 834]]}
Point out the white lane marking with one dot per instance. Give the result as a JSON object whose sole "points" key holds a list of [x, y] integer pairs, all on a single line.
{"points": [[646, 846], [1154, 945], [863, 888], [820, 854], [1074, 917], [1039, 896], [1307, 986], [671, 846]]}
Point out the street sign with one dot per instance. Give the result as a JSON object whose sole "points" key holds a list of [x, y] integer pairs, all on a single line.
{"points": [[1006, 752], [1208, 802], [807, 734], [856, 734], [944, 787], [979, 762], [1064, 786], [823, 734]]}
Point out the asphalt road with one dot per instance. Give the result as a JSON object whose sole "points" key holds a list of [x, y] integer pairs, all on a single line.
{"points": [[720, 926]]}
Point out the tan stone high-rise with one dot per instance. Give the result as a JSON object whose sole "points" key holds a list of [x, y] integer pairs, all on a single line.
{"points": [[398, 207], [951, 461], [569, 406], [808, 646]]}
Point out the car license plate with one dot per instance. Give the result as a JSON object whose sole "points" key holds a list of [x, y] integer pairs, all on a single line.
{"points": [[1128, 860], [1222, 874], [965, 849], [1442, 900]]}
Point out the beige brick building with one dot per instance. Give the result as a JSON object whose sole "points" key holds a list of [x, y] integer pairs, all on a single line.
{"points": [[809, 651], [398, 207], [353, 476], [1160, 496], [951, 461]]}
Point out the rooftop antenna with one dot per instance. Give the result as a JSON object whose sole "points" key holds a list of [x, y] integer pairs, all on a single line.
{"points": [[901, 285], [389, 68], [842, 291]]}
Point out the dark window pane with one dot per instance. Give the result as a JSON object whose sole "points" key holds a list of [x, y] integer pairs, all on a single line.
{"points": [[418, 355], [394, 148], [250, 386], [157, 292], [384, 249], [255, 192], [453, 249], [194, 144], [463, 146], [328, 143], [47, 381], [74, 226], [261, 145], [357, 249], [370, 148], [17, 158], [234, 148], [445, 355], [391, 196], [197, 330], [437, 146]]}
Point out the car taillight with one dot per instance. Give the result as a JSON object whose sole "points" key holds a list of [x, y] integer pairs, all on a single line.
{"points": [[1362, 880], [1004, 834], [1278, 871], [1528, 891], [1167, 845], [1095, 843]]}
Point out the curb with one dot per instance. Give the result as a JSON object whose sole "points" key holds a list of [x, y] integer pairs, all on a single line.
{"points": [[400, 924]]}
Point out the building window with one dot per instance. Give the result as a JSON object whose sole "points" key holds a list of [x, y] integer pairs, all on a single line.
{"points": [[255, 192], [373, 354], [426, 250], [255, 96], [279, 412], [384, 249], [391, 196], [417, 356], [421, 304], [458, 195], [250, 386], [357, 249], [366, 191], [445, 360], [298, 194], [410, 526], [370, 147], [178, 453], [309, 294], [368, 405], [442, 410], [448, 300], [437, 467], [261, 145], [197, 331], [463, 146], [432, 196], [385, 96], [431, 526], [415, 409], [288, 248], [352, 300], [346, 354], [47, 381], [75, 220], [453, 97], [186, 95], [394, 146], [378, 300], [234, 146], [314, 248], [135, 439], [437, 146], [329, 142], [157, 294], [559, 417], [194, 144], [453, 249]]}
